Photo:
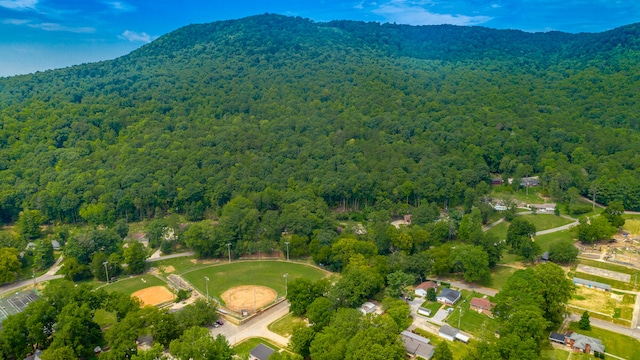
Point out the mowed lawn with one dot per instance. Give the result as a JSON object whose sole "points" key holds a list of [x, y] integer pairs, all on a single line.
{"points": [[264, 273], [545, 241], [472, 322], [131, 285], [546, 221], [500, 275], [500, 230], [614, 343]]}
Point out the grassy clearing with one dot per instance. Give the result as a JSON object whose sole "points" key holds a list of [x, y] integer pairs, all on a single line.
{"points": [[505, 192], [613, 305], [554, 354], [614, 343], [104, 318], [508, 258], [285, 325], [632, 226], [264, 273], [500, 230], [500, 275], [131, 285], [434, 306], [546, 221], [545, 241], [244, 347], [458, 348], [471, 321], [610, 266]]}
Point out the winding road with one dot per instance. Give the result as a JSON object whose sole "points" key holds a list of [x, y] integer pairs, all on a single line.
{"points": [[49, 275]]}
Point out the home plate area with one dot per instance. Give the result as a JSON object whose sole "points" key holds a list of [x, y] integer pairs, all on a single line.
{"points": [[248, 297], [154, 295]]}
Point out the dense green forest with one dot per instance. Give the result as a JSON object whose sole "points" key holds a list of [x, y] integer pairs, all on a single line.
{"points": [[292, 114]]}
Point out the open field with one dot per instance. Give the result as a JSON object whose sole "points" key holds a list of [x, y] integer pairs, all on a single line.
{"points": [[545, 241], [503, 192], [263, 273], [500, 275], [546, 221], [131, 285], [616, 344], [472, 322], [285, 325], [500, 230], [611, 304], [632, 226], [608, 266]]}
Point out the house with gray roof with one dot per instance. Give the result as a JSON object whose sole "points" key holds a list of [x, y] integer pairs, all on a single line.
{"points": [[448, 296], [417, 345], [584, 344]]}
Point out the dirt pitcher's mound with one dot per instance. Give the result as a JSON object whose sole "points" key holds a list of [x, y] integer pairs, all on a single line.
{"points": [[248, 297], [154, 295]]}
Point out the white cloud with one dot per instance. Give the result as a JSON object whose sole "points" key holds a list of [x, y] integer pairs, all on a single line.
{"points": [[137, 37], [58, 27], [412, 13], [19, 4], [120, 6], [15, 21]]}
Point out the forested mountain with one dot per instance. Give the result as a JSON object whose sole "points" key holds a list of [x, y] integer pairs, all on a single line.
{"points": [[283, 110]]}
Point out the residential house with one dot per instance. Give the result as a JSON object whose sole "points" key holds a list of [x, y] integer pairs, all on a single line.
{"points": [[497, 181], [557, 338], [482, 305], [591, 284], [530, 181], [448, 296], [545, 256], [450, 333], [367, 308], [260, 352], [407, 219], [417, 345], [447, 332], [35, 356], [421, 290], [55, 244], [543, 208], [584, 344]]}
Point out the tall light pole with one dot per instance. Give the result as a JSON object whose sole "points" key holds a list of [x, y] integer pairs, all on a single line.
{"points": [[105, 270], [229, 249], [207, 279], [287, 243], [285, 284]]}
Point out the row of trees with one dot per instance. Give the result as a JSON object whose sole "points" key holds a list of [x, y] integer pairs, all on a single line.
{"points": [[62, 323]]}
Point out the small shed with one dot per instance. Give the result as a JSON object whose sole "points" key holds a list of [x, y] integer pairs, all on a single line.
{"points": [[367, 308], [462, 337]]}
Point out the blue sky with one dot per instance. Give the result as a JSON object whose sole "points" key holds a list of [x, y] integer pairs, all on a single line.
{"points": [[44, 34]]}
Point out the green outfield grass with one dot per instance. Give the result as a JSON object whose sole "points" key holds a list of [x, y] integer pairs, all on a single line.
{"points": [[131, 285], [546, 221], [264, 273]]}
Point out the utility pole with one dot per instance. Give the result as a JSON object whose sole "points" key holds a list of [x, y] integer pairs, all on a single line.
{"points": [[229, 248], [459, 317], [33, 276], [285, 284], [105, 270], [287, 243], [207, 279]]}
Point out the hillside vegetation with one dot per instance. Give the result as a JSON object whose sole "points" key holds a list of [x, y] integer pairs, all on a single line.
{"points": [[359, 115]]}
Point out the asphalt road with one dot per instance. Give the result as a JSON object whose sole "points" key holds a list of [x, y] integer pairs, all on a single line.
{"points": [[50, 275], [256, 327]]}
